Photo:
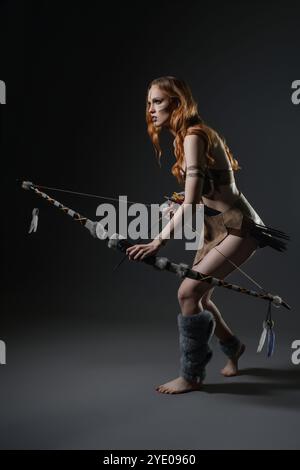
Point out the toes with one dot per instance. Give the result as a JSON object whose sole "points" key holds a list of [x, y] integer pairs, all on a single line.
{"points": [[229, 372], [161, 389]]}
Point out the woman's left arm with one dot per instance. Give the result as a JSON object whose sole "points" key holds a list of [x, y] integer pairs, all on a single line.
{"points": [[194, 152]]}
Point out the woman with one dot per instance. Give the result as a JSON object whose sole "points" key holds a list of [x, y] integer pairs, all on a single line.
{"points": [[232, 229]]}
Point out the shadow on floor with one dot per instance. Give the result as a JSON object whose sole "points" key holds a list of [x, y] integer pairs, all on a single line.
{"points": [[276, 383]]}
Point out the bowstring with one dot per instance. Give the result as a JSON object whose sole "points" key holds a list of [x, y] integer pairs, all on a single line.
{"points": [[96, 196]]}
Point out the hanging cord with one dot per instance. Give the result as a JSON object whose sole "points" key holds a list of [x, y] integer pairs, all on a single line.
{"points": [[243, 272]]}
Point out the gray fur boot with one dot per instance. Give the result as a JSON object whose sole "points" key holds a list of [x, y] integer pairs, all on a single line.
{"points": [[231, 347], [195, 332]]}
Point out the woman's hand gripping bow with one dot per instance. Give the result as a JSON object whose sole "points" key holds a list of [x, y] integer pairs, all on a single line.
{"points": [[168, 209]]}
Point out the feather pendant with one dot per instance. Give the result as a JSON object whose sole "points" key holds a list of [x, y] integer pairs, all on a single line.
{"points": [[270, 342], [262, 338], [34, 220], [267, 334]]}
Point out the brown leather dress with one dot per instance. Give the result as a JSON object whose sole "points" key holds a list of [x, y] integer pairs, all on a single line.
{"points": [[240, 219]]}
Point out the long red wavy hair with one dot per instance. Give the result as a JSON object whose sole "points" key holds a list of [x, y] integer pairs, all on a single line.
{"points": [[185, 120]]}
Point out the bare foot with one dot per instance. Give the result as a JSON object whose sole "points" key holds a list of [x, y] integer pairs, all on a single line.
{"points": [[179, 385], [231, 368]]}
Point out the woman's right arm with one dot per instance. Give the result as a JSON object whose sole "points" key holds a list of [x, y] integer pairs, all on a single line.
{"points": [[194, 151]]}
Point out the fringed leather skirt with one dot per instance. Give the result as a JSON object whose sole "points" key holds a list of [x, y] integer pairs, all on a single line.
{"points": [[241, 220]]}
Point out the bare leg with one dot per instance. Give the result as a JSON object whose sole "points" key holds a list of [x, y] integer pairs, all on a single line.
{"points": [[222, 330], [223, 333], [194, 296], [237, 250]]}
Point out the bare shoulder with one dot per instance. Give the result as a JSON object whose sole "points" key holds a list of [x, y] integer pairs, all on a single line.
{"points": [[198, 133], [194, 151], [219, 153], [194, 142]]}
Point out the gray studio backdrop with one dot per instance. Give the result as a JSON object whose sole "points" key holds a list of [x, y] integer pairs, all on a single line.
{"points": [[76, 82]]}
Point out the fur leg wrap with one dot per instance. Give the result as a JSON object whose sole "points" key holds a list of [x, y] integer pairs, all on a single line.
{"points": [[231, 347], [195, 332]]}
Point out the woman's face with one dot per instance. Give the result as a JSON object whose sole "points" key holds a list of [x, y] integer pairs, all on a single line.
{"points": [[160, 106]]}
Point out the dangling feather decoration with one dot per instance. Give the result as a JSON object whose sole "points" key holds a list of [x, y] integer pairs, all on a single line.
{"points": [[34, 220], [267, 334], [271, 341], [262, 338]]}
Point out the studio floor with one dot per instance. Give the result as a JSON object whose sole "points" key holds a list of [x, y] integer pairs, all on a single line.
{"points": [[95, 389]]}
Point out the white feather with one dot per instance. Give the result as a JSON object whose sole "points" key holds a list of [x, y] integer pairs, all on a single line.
{"points": [[262, 340], [34, 220]]}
